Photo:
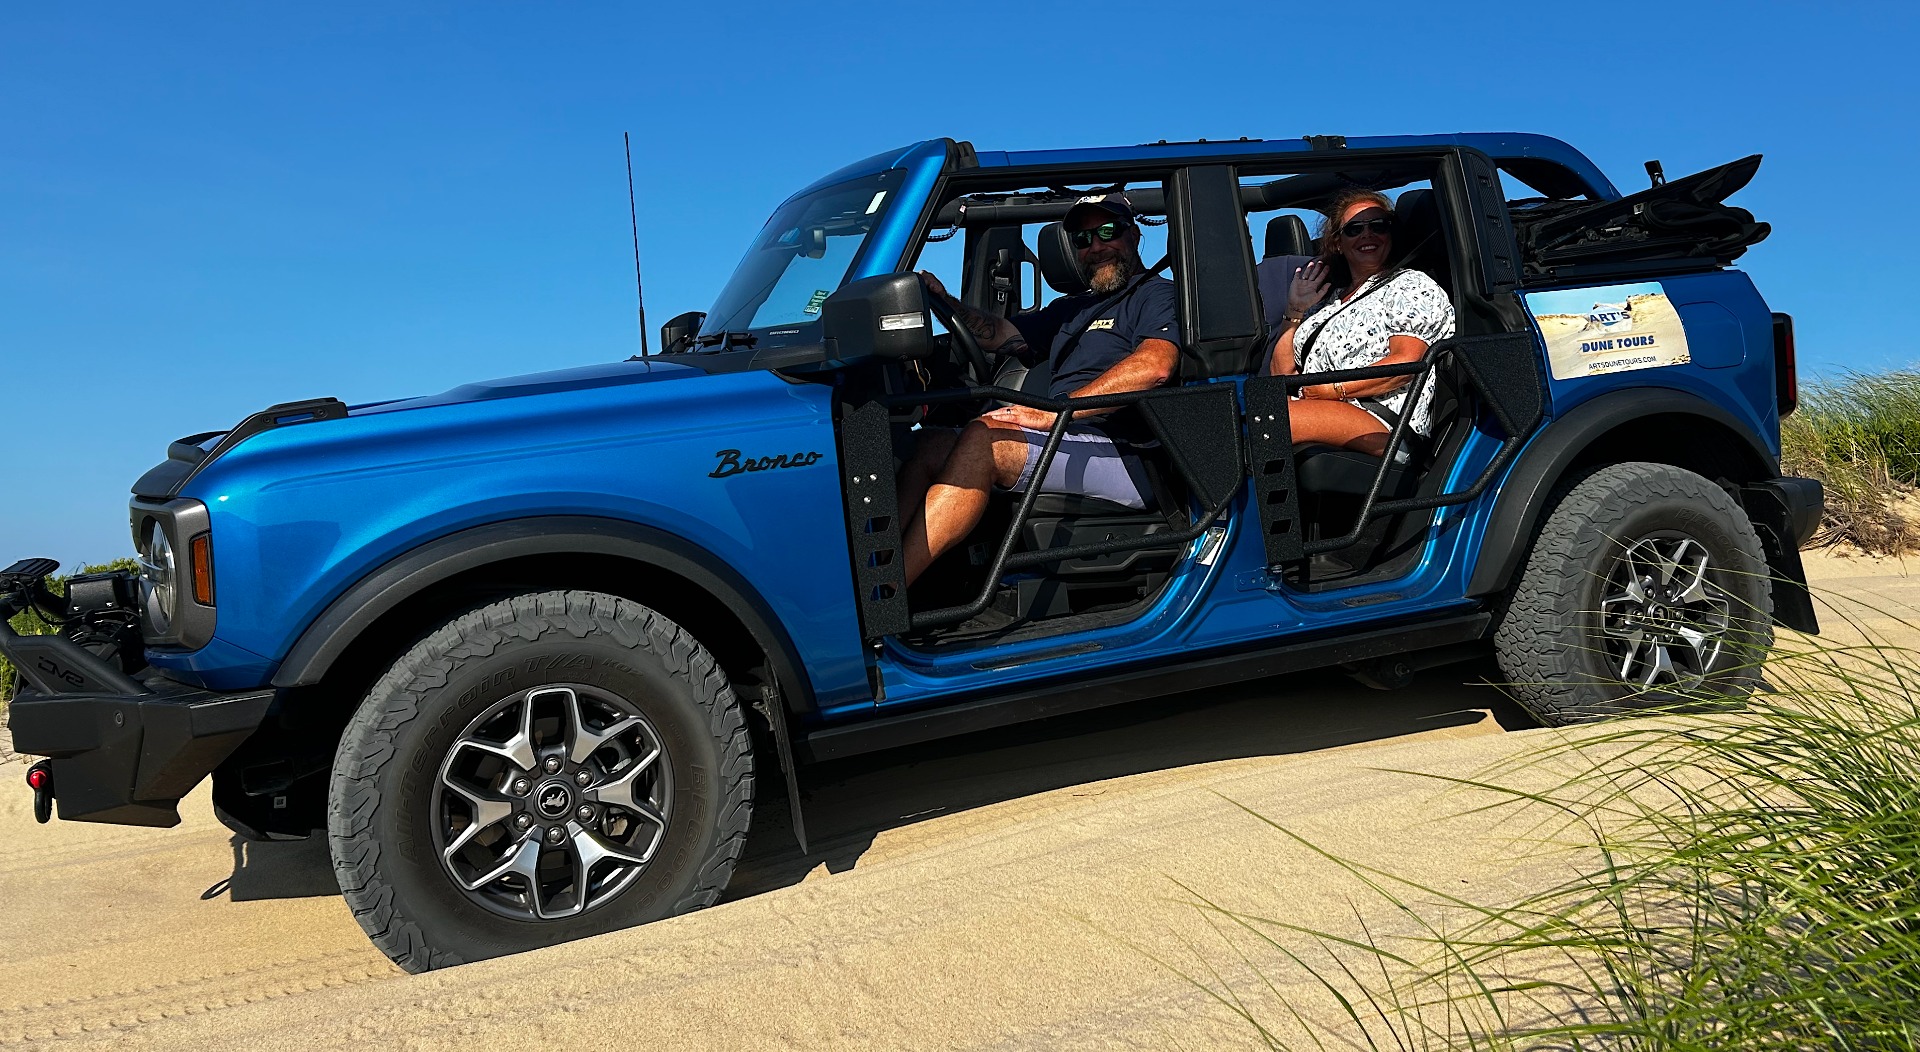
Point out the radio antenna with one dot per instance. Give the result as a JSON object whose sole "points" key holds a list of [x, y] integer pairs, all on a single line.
{"points": [[633, 213]]}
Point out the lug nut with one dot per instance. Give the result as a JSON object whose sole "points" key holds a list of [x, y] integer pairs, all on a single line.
{"points": [[520, 786], [522, 821], [584, 813], [555, 835], [584, 778], [552, 764]]}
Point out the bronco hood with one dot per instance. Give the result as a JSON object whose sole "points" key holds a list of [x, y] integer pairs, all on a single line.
{"points": [[610, 374], [188, 456]]}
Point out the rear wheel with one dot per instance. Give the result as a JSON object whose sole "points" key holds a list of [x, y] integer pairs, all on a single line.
{"points": [[1646, 587], [546, 768]]}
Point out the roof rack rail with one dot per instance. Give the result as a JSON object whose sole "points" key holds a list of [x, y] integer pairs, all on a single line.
{"points": [[1196, 142]]}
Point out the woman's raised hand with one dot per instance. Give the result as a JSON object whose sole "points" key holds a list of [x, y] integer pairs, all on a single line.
{"points": [[1309, 288]]}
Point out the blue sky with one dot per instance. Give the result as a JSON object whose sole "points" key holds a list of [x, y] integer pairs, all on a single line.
{"points": [[209, 208]]}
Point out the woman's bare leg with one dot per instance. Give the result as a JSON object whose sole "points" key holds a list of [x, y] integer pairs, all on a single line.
{"points": [[1335, 423]]}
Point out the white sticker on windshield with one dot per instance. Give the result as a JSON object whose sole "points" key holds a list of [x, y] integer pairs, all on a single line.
{"points": [[1609, 329], [874, 205], [897, 322]]}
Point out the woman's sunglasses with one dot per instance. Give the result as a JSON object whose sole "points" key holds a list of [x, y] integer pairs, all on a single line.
{"points": [[1105, 232], [1359, 226]]}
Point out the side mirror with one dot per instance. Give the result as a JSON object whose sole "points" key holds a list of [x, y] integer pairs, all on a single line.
{"points": [[676, 336], [877, 317]]}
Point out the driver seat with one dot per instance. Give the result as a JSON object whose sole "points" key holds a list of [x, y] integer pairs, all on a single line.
{"points": [[1081, 585], [1073, 586], [1060, 267]]}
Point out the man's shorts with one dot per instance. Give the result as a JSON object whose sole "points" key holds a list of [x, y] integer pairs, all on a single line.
{"points": [[1087, 463]]}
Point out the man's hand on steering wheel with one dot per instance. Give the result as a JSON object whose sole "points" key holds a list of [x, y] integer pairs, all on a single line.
{"points": [[946, 308]]}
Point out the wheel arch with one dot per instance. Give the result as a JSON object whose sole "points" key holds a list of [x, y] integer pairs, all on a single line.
{"points": [[389, 609], [1661, 426]]}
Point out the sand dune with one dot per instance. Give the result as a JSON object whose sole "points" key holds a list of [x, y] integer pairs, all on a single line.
{"points": [[1012, 890]]}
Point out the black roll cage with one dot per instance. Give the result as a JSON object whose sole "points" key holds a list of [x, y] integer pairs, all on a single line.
{"points": [[1004, 557], [1275, 461], [1501, 366]]}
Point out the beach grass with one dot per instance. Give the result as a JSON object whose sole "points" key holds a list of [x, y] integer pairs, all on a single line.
{"points": [[1745, 880], [1859, 434]]}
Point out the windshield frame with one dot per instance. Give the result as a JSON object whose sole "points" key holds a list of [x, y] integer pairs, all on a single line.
{"points": [[742, 297]]}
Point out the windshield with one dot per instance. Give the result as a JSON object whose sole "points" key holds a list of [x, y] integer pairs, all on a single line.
{"points": [[803, 255]]}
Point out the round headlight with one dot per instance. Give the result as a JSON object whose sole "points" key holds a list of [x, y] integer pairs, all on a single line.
{"points": [[157, 569]]}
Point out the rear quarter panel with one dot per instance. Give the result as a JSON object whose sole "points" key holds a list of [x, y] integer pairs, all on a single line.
{"points": [[1725, 333]]}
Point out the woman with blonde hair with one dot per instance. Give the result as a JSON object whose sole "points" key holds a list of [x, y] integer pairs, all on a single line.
{"points": [[1352, 308]]}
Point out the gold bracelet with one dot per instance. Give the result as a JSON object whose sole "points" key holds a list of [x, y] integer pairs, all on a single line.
{"points": [[1339, 390]]}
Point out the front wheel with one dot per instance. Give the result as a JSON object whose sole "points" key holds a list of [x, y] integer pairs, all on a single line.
{"points": [[546, 768], [1646, 587]]}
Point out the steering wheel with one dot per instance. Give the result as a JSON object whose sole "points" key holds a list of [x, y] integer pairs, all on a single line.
{"points": [[963, 338]]}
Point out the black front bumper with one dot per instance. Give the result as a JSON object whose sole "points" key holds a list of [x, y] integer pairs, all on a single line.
{"points": [[123, 750]]}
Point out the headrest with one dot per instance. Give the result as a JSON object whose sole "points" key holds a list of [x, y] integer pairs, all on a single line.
{"points": [[1287, 236], [1416, 236], [1059, 263], [1415, 215]]}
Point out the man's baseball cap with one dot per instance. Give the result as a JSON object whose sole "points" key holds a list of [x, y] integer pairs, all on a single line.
{"points": [[1115, 203]]}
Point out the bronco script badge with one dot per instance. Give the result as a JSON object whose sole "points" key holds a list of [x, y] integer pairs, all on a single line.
{"points": [[731, 464]]}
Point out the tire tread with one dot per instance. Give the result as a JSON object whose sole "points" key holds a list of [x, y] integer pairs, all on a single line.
{"points": [[368, 745], [1539, 664]]}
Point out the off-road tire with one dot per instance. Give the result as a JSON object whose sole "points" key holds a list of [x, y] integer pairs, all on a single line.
{"points": [[379, 816], [1549, 639]]}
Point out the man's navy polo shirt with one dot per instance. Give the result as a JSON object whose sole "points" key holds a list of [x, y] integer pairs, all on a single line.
{"points": [[1111, 327]]}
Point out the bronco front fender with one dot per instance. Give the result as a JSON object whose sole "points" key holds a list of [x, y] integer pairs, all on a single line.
{"points": [[405, 576]]}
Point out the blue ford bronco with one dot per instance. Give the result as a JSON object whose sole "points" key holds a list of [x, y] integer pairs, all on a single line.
{"points": [[531, 651]]}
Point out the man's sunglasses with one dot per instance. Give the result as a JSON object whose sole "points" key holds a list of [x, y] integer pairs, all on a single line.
{"points": [[1360, 226], [1105, 232]]}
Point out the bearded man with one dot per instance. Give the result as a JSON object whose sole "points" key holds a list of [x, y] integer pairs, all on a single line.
{"points": [[1123, 335]]}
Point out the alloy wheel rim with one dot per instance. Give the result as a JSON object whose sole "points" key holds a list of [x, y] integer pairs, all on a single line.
{"points": [[1663, 620], [552, 802]]}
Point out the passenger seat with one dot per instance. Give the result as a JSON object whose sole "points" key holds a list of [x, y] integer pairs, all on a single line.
{"points": [[1288, 249]]}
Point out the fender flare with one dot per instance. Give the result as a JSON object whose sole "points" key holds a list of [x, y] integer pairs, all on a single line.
{"points": [[1522, 498], [407, 575]]}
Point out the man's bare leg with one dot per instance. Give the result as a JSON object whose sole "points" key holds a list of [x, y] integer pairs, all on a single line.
{"points": [[933, 446], [985, 453]]}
